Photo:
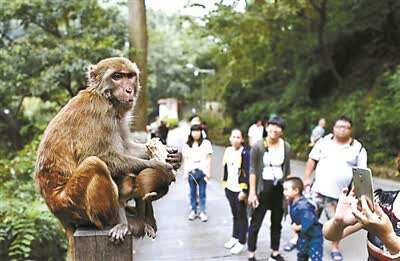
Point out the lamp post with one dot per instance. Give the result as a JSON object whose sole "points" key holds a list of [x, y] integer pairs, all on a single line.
{"points": [[196, 72]]}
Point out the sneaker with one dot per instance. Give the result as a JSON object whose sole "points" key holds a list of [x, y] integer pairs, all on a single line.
{"points": [[289, 247], [203, 217], [278, 257], [231, 243], [192, 215], [237, 249], [336, 255]]}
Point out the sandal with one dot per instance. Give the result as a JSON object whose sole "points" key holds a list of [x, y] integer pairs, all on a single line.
{"points": [[289, 247], [336, 256]]}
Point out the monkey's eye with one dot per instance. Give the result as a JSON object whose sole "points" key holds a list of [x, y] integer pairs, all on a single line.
{"points": [[117, 76], [131, 75]]}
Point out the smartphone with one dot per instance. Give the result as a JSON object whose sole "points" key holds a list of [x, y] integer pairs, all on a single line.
{"points": [[362, 180]]}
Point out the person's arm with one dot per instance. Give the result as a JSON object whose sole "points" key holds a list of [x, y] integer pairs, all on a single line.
{"points": [[209, 152], [378, 223], [313, 157], [253, 200], [310, 166], [184, 160], [362, 158], [392, 243], [244, 173], [208, 166], [343, 223], [334, 230], [288, 156]]}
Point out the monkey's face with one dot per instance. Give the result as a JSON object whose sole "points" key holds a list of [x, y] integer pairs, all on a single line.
{"points": [[117, 79], [124, 84]]}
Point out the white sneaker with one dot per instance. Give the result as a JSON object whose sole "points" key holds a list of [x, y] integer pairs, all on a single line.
{"points": [[203, 217], [237, 249], [192, 215], [231, 243]]}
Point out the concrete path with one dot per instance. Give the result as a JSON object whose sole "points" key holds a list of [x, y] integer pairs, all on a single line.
{"points": [[180, 239]]}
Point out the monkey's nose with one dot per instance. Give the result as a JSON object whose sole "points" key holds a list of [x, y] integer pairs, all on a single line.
{"points": [[128, 90]]}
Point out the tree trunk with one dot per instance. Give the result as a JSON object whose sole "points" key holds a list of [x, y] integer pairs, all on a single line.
{"points": [[326, 57], [138, 38]]}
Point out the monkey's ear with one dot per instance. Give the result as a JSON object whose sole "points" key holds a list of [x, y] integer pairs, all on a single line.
{"points": [[91, 75]]}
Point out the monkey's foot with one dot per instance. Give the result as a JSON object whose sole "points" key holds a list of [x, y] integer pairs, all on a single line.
{"points": [[149, 195], [118, 232], [136, 227], [150, 232]]}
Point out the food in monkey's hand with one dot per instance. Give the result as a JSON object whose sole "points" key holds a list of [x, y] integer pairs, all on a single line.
{"points": [[158, 151], [150, 184]]}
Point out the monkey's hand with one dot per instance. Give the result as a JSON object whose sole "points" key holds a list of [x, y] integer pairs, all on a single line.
{"points": [[162, 166], [174, 157], [118, 232]]}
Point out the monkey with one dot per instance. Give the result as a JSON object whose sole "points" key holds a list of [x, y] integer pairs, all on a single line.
{"points": [[86, 148], [149, 185]]}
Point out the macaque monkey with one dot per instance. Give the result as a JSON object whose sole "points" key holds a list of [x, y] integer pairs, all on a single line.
{"points": [[86, 149], [147, 186]]}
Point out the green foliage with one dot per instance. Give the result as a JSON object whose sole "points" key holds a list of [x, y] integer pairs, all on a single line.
{"points": [[304, 60], [26, 225], [172, 123], [218, 127], [170, 50], [45, 48], [44, 51], [380, 119]]}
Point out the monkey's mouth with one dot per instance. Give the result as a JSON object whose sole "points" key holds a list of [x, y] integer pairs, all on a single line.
{"points": [[131, 100]]}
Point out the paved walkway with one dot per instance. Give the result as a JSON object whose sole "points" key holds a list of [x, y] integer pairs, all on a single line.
{"points": [[180, 239]]}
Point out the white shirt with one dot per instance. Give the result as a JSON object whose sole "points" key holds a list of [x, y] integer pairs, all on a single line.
{"points": [[273, 159], [255, 133], [196, 157], [335, 163], [233, 160]]}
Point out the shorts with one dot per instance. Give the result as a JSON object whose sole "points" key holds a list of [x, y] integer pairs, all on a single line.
{"points": [[324, 203]]}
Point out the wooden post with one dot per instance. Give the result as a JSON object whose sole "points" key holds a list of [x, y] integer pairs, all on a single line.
{"points": [[92, 244]]}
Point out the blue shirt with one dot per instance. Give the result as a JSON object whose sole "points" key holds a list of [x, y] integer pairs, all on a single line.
{"points": [[302, 212]]}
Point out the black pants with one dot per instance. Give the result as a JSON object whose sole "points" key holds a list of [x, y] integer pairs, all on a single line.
{"points": [[270, 199], [239, 214]]}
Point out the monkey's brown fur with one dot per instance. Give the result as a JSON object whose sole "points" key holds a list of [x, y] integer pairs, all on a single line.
{"points": [[85, 148]]}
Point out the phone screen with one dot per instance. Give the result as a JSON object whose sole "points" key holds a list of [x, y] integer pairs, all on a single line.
{"points": [[362, 179]]}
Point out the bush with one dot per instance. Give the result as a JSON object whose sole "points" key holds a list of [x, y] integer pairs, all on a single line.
{"points": [[26, 225], [172, 123]]}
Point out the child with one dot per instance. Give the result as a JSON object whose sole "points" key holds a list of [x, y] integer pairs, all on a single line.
{"points": [[305, 221], [235, 180], [197, 165]]}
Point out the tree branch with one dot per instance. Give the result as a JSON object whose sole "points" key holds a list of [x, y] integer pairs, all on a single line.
{"points": [[20, 104], [315, 6]]}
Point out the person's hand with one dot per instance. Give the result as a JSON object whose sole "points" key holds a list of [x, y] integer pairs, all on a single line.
{"points": [[296, 228], [174, 157], [307, 185], [242, 196], [346, 204], [253, 200], [376, 222]]}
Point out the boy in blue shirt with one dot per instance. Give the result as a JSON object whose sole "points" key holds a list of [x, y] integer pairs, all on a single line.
{"points": [[304, 221]]}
